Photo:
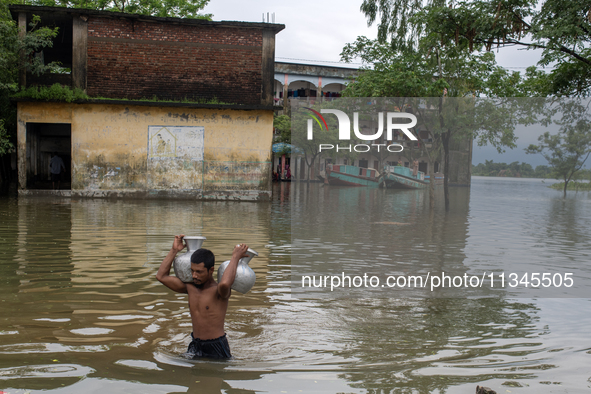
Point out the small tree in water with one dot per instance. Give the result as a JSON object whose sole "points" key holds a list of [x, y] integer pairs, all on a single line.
{"points": [[568, 150]]}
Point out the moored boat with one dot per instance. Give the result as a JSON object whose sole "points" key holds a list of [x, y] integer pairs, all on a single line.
{"points": [[345, 175], [398, 177]]}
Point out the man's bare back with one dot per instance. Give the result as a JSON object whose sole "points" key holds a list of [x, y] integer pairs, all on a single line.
{"points": [[208, 300]]}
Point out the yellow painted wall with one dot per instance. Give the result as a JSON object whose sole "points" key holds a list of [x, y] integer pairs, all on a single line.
{"points": [[110, 147]]}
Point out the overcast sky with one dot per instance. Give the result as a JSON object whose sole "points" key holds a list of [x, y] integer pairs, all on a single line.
{"points": [[316, 32]]}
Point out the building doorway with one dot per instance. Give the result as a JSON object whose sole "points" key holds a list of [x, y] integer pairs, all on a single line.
{"points": [[43, 141], [424, 167]]}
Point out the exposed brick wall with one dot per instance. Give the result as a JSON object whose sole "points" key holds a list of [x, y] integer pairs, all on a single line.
{"points": [[144, 59]]}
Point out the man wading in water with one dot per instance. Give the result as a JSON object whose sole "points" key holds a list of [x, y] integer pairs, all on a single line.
{"points": [[208, 300]]}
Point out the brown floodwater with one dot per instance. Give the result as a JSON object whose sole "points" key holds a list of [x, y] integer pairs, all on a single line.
{"points": [[81, 310]]}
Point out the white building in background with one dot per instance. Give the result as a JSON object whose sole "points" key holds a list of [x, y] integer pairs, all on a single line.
{"points": [[310, 83]]}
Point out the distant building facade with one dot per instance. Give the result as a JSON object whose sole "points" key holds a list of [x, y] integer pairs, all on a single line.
{"points": [[126, 141], [294, 80], [310, 83]]}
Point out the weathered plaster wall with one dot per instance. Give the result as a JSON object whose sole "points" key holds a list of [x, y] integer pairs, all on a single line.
{"points": [[153, 151]]}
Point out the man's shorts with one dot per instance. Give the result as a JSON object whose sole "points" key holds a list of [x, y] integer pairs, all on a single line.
{"points": [[209, 348], [55, 177]]}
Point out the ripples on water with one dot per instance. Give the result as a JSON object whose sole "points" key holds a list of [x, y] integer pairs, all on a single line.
{"points": [[81, 309]]}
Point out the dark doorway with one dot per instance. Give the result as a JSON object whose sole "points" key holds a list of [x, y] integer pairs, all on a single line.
{"points": [[363, 163], [423, 167], [43, 141]]}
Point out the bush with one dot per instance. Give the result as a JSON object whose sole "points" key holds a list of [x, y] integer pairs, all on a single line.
{"points": [[55, 92], [5, 144], [572, 185]]}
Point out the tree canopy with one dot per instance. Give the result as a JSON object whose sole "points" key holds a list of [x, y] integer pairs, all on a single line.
{"points": [[560, 29], [162, 8], [11, 45], [569, 148], [514, 169], [453, 77], [440, 48]]}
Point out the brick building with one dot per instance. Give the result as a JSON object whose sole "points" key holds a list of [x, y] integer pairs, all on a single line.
{"points": [[212, 140]]}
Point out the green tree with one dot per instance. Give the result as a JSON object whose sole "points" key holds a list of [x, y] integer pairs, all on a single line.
{"points": [[478, 169], [542, 171], [401, 77], [282, 125], [162, 8], [525, 170], [583, 175], [560, 29], [5, 144], [442, 35], [452, 74], [567, 150], [17, 52], [321, 135]]}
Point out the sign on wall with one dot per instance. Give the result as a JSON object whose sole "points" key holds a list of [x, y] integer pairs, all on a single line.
{"points": [[175, 157], [175, 141]]}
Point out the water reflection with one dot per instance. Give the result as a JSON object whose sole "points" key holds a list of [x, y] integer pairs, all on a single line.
{"points": [[429, 345], [8, 250], [81, 275], [522, 226], [357, 231], [81, 310], [567, 226]]}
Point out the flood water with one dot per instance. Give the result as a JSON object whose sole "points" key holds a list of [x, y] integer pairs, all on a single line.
{"points": [[81, 310]]}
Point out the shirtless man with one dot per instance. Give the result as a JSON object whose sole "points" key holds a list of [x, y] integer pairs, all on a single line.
{"points": [[208, 300]]}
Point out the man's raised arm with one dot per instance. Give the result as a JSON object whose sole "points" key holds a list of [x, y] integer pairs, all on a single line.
{"points": [[163, 275], [227, 280]]}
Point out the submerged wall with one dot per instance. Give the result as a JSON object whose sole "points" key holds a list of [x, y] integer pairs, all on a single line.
{"points": [[153, 151]]}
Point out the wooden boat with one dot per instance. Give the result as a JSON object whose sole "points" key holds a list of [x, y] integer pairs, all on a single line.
{"points": [[344, 175], [398, 177]]}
